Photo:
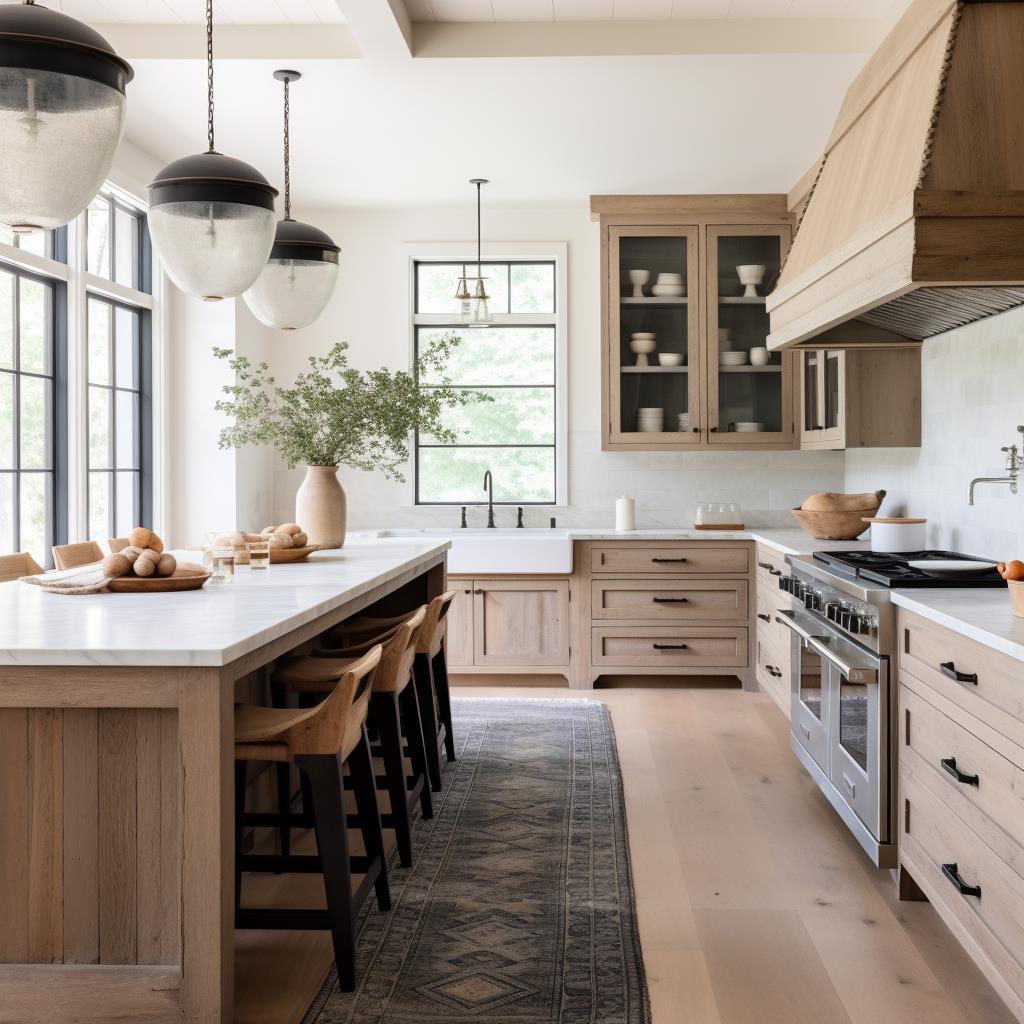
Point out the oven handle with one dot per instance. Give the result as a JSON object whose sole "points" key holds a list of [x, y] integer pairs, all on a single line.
{"points": [[823, 646]]}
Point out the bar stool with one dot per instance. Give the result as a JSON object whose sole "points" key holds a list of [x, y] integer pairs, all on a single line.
{"points": [[430, 668], [319, 741], [394, 718], [71, 556], [21, 563]]}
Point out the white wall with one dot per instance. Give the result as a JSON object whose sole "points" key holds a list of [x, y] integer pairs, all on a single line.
{"points": [[973, 400], [370, 310]]}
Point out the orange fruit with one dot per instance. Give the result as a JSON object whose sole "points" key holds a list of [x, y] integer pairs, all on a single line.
{"points": [[1014, 570]]}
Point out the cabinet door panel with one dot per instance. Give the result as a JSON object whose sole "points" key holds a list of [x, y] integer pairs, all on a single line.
{"points": [[637, 380], [459, 641], [521, 622], [747, 405]]}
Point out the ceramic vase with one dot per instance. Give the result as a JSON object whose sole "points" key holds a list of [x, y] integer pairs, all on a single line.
{"points": [[320, 507]]}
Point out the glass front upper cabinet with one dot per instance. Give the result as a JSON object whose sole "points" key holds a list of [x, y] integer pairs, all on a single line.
{"points": [[749, 389], [653, 294], [822, 389]]}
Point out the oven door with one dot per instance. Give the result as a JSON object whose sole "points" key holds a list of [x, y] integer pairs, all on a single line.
{"points": [[859, 739], [809, 695]]}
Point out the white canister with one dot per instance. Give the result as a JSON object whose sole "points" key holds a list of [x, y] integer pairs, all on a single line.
{"points": [[625, 513], [898, 534]]}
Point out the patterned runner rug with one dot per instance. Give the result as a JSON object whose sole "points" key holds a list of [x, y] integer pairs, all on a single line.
{"points": [[519, 908]]}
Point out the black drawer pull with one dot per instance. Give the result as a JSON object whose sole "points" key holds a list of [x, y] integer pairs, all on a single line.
{"points": [[671, 647], [670, 600], [950, 871], [948, 764], [771, 568], [668, 559], [773, 671], [763, 617], [948, 668]]}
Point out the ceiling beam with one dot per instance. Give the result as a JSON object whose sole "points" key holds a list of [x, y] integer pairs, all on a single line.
{"points": [[233, 42], [382, 28], [641, 38]]}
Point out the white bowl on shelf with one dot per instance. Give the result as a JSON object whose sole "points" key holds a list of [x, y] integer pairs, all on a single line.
{"points": [[733, 358], [667, 291], [643, 336], [749, 428], [670, 358], [669, 279]]}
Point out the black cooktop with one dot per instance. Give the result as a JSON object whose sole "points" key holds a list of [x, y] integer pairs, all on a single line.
{"points": [[892, 570]]}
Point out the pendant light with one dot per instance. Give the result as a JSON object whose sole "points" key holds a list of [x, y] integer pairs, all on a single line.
{"points": [[474, 302], [211, 217], [297, 282], [62, 109]]}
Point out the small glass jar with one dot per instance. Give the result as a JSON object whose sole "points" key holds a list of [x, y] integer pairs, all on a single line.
{"points": [[259, 554], [219, 558]]}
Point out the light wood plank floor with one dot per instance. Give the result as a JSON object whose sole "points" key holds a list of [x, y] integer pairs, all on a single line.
{"points": [[755, 904]]}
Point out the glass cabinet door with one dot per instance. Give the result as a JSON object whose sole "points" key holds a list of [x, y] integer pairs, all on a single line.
{"points": [[810, 394], [750, 391], [833, 396], [654, 365]]}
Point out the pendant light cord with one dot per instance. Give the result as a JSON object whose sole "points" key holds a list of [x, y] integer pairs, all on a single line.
{"points": [[209, 74], [287, 155]]}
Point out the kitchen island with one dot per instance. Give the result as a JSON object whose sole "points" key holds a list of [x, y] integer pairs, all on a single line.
{"points": [[116, 775]]}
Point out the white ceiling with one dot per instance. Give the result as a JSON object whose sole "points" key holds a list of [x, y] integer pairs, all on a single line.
{"points": [[642, 10], [176, 12], [383, 133]]}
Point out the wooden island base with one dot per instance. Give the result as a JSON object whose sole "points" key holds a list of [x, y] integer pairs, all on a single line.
{"points": [[116, 803]]}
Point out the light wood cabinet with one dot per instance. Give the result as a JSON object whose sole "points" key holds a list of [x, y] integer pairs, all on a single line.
{"points": [[714, 397], [868, 398], [509, 623]]}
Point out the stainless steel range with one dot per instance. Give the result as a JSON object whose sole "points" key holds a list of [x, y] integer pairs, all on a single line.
{"points": [[843, 686]]}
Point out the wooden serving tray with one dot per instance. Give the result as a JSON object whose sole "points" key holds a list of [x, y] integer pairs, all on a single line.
{"points": [[281, 556], [186, 577], [719, 526]]}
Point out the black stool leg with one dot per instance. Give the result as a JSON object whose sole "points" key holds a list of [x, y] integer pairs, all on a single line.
{"points": [[360, 766], [444, 701], [424, 679], [240, 780], [419, 751], [283, 771], [324, 774], [384, 709]]}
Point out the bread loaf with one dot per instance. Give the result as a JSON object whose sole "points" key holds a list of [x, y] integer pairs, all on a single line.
{"points": [[116, 565], [140, 537], [289, 528], [146, 563], [300, 540]]}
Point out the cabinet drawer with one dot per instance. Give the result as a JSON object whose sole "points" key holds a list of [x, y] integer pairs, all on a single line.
{"points": [[668, 647], [989, 781], [671, 558], [771, 564], [989, 685], [768, 604], [669, 599], [992, 924], [773, 676]]}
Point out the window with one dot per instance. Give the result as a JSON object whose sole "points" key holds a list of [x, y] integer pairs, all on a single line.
{"points": [[516, 362], [76, 319], [27, 402]]}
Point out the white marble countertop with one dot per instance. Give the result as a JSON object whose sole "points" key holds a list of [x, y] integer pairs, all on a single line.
{"points": [[981, 615], [213, 626]]}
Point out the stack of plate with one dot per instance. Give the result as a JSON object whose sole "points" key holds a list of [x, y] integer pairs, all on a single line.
{"points": [[650, 420], [733, 358]]}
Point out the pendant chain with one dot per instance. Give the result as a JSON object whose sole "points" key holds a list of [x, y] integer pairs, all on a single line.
{"points": [[209, 73], [287, 156]]}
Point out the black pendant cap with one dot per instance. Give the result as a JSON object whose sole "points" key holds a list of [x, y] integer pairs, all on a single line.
{"points": [[211, 177], [38, 39], [294, 240]]}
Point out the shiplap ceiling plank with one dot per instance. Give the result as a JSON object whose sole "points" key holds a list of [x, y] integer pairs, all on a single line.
{"points": [[193, 12], [642, 10], [701, 8]]}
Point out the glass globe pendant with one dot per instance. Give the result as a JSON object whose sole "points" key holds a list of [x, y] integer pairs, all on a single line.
{"points": [[62, 110], [300, 276], [211, 217], [474, 302]]}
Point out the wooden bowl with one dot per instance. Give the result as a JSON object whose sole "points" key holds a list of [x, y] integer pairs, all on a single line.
{"points": [[186, 577], [281, 556], [1016, 588], [834, 525]]}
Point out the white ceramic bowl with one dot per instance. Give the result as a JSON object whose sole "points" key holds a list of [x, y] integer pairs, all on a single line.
{"points": [[670, 358], [751, 273], [668, 290], [749, 428], [732, 358], [644, 336], [669, 279], [760, 356]]}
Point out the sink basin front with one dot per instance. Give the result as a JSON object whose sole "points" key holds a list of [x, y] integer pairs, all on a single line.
{"points": [[508, 552]]}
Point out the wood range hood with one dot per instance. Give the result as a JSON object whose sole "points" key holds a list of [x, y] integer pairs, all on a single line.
{"points": [[913, 222]]}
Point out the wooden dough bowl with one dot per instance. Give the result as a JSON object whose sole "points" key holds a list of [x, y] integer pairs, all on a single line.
{"points": [[834, 525], [280, 556], [186, 577]]}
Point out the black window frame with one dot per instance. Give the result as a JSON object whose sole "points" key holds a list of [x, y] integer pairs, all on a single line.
{"points": [[510, 323]]}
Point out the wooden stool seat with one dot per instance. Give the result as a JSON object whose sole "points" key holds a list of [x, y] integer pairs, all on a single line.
{"points": [[71, 556], [320, 741], [21, 563], [394, 716]]}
